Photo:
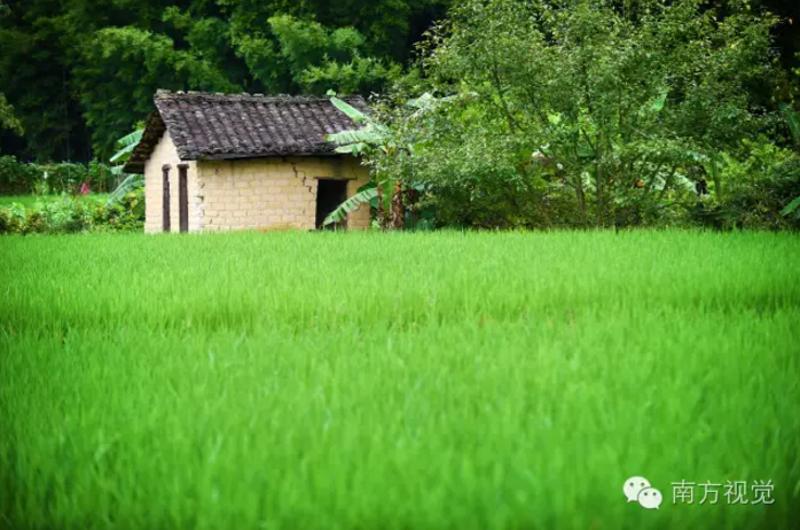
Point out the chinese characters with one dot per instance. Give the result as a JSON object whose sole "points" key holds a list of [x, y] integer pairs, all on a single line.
{"points": [[731, 492]]}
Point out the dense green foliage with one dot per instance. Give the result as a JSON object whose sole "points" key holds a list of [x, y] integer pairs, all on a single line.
{"points": [[528, 113], [758, 187], [591, 113], [18, 177], [8, 120], [505, 381], [80, 73], [67, 214], [74, 74]]}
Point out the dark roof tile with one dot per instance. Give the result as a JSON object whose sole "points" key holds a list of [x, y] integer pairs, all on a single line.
{"points": [[207, 126]]}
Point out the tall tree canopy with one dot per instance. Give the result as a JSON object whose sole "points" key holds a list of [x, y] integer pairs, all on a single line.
{"points": [[590, 112], [76, 74], [80, 73]]}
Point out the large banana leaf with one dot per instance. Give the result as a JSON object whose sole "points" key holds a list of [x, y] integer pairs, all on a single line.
{"points": [[421, 102], [356, 141], [428, 101], [364, 196], [352, 149], [792, 208], [130, 183], [367, 134], [127, 144], [350, 111]]}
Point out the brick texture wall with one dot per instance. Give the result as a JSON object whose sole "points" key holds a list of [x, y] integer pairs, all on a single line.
{"points": [[265, 193], [166, 154]]}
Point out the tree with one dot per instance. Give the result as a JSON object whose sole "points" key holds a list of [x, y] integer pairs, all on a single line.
{"points": [[121, 70], [70, 68], [589, 112], [320, 59], [7, 118]]}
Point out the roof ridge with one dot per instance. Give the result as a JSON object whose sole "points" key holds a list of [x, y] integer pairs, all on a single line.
{"points": [[162, 94]]}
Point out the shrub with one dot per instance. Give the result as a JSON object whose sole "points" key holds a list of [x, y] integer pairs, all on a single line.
{"points": [[100, 176], [126, 213], [12, 219], [759, 205], [70, 215], [16, 177], [753, 188], [64, 177]]}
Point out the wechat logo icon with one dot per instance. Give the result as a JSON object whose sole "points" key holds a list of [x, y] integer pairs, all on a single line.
{"points": [[638, 489]]}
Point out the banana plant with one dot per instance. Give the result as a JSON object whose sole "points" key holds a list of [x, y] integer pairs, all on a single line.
{"points": [[373, 139], [126, 145]]}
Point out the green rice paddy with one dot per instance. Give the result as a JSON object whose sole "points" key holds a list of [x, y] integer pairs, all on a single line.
{"points": [[396, 381]]}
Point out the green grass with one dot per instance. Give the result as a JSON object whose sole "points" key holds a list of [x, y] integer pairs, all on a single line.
{"points": [[443, 380], [29, 201]]}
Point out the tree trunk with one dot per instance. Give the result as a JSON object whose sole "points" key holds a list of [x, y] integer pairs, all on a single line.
{"points": [[379, 213], [398, 209], [581, 199], [601, 196]]}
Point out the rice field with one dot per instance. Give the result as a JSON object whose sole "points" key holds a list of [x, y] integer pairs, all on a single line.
{"points": [[394, 381]]}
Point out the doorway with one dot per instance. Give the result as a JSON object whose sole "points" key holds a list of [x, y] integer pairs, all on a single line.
{"points": [[330, 194]]}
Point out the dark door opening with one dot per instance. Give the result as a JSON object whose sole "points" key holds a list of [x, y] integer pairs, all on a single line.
{"points": [[183, 199], [330, 194]]}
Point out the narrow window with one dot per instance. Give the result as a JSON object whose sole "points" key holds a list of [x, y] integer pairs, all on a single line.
{"points": [[165, 200], [183, 198]]}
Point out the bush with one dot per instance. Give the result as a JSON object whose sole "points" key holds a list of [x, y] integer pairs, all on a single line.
{"points": [[16, 177], [57, 217], [126, 214], [753, 189], [12, 219], [64, 177], [759, 205], [100, 176], [69, 215]]}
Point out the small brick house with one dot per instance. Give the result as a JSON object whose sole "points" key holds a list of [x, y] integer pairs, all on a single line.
{"points": [[227, 162]]}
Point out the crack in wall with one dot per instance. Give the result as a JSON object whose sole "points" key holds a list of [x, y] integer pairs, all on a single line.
{"points": [[305, 178]]}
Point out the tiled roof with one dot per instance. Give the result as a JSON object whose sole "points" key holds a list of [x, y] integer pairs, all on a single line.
{"points": [[223, 126]]}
